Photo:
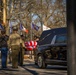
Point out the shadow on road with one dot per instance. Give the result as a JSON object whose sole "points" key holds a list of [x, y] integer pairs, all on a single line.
{"points": [[34, 69], [9, 69], [58, 67]]}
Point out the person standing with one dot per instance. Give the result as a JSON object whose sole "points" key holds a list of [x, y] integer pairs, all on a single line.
{"points": [[4, 48], [21, 53], [14, 43]]}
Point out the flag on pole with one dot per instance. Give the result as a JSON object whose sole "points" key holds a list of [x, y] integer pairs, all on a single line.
{"points": [[1, 27], [35, 27], [23, 28]]}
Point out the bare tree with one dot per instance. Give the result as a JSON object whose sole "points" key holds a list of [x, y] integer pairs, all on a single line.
{"points": [[49, 12]]}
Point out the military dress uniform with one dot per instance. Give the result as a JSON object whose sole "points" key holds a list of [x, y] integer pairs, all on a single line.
{"points": [[14, 43]]}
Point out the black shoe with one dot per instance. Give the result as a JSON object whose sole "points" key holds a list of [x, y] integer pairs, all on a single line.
{"points": [[3, 67], [15, 67], [9, 62]]}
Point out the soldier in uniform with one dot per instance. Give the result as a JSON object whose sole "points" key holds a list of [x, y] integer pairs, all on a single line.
{"points": [[14, 43]]}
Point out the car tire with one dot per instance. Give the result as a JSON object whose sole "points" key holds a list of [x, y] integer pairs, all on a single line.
{"points": [[35, 63], [40, 62]]}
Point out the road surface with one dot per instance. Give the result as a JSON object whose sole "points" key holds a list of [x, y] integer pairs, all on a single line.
{"points": [[30, 69]]}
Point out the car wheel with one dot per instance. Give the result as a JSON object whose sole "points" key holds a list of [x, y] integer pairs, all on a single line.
{"points": [[41, 62], [35, 63]]}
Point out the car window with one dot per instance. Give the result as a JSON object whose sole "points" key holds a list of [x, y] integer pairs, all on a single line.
{"points": [[61, 39]]}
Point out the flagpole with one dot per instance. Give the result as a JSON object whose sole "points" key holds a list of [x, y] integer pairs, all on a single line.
{"points": [[20, 17], [31, 32]]}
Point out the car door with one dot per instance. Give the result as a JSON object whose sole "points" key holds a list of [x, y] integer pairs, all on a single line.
{"points": [[58, 49]]}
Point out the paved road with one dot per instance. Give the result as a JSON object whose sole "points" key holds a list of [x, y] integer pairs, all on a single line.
{"points": [[50, 70], [30, 69]]}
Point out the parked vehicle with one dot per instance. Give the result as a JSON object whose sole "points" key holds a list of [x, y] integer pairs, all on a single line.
{"points": [[51, 48]]}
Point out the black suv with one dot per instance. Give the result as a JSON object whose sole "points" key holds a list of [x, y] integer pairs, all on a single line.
{"points": [[52, 48]]}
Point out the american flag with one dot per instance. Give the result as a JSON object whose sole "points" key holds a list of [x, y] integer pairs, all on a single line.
{"points": [[31, 45]]}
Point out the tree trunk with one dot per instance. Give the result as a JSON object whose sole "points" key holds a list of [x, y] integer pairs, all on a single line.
{"points": [[71, 27]]}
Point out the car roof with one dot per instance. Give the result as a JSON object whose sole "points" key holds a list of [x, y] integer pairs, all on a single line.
{"points": [[46, 36]]}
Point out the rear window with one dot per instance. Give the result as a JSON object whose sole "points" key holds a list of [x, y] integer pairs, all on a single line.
{"points": [[61, 39]]}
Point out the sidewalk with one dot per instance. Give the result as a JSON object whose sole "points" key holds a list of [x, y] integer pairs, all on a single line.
{"points": [[11, 71], [19, 71]]}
